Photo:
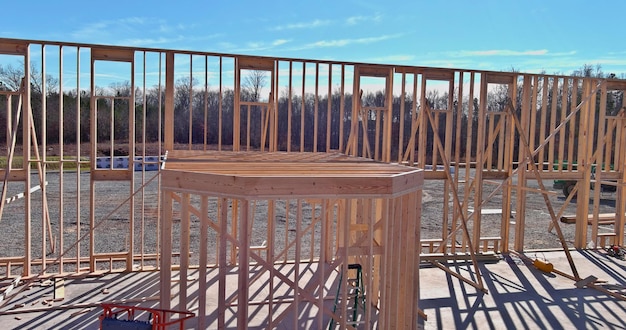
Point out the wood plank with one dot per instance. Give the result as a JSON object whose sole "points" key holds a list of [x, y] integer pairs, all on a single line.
{"points": [[438, 74], [552, 143], [542, 119], [598, 153], [291, 186], [255, 63], [112, 175], [504, 78], [585, 150], [374, 71], [26, 152], [222, 263], [564, 96], [185, 232], [603, 219], [616, 84], [572, 126], [112, 54], [13, 48], [244, 270], [303, 106], [166, 249]]}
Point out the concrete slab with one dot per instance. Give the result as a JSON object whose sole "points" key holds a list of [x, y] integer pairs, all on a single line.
{"points": [[523, 297], [520, 297]]}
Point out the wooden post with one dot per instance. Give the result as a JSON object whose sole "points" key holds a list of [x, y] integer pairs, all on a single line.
{"points": [[508, 138], [585, 138], [168, 142], [480, 159], [520, 211], [26, 120], [131, 167], [204, 251], [620, 208], [244, 271], [222, 261], [184, 250], [598, 160], [166, 250], [388, 117]]}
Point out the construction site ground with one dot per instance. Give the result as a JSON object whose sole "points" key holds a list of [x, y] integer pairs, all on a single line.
{"points": [[519, 296]]}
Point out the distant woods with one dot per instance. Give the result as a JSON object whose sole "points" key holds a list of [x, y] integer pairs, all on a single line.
{"points": [[197, 110]]}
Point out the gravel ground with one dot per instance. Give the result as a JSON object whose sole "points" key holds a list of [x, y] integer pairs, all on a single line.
{"points": [[537, 217], [112, 233]]}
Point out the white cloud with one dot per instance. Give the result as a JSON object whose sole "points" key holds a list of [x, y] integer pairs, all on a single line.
{"points": [[109, 31], [305, 25], [279, 42], [445, 63], [253, 46], [354, 20], [90, 30], [391, 58], [150, 41], [345, 42], [165, 27], [139, 32], [133, 20], [507, 52], [500, 52]]}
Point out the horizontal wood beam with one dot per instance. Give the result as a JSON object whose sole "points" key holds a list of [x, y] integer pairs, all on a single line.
{"points": [[111, 175], [113, 54]]}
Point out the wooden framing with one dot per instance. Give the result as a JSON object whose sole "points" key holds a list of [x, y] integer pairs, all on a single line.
{"points": [[371, 209], [573, 127]]}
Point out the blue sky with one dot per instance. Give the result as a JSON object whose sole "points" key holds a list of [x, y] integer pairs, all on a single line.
{"points": [[530, 36]]}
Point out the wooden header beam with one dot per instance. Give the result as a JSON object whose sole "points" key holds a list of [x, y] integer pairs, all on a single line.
{"points": [[255, 63], [14, 48], [111, 54], [500, 78]]}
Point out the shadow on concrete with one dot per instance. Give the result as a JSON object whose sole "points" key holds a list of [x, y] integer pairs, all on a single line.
{"points": [[523, 297]]}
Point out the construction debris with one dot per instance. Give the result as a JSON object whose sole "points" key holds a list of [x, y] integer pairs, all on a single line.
{"points": [[6, 290], [82, 311]]}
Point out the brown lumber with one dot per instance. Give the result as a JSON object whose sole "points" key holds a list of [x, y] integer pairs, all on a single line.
{"points": [[603, 219]]}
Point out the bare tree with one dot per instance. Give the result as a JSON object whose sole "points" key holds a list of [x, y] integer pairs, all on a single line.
{"points": [[254, 82], [11, 78]]}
